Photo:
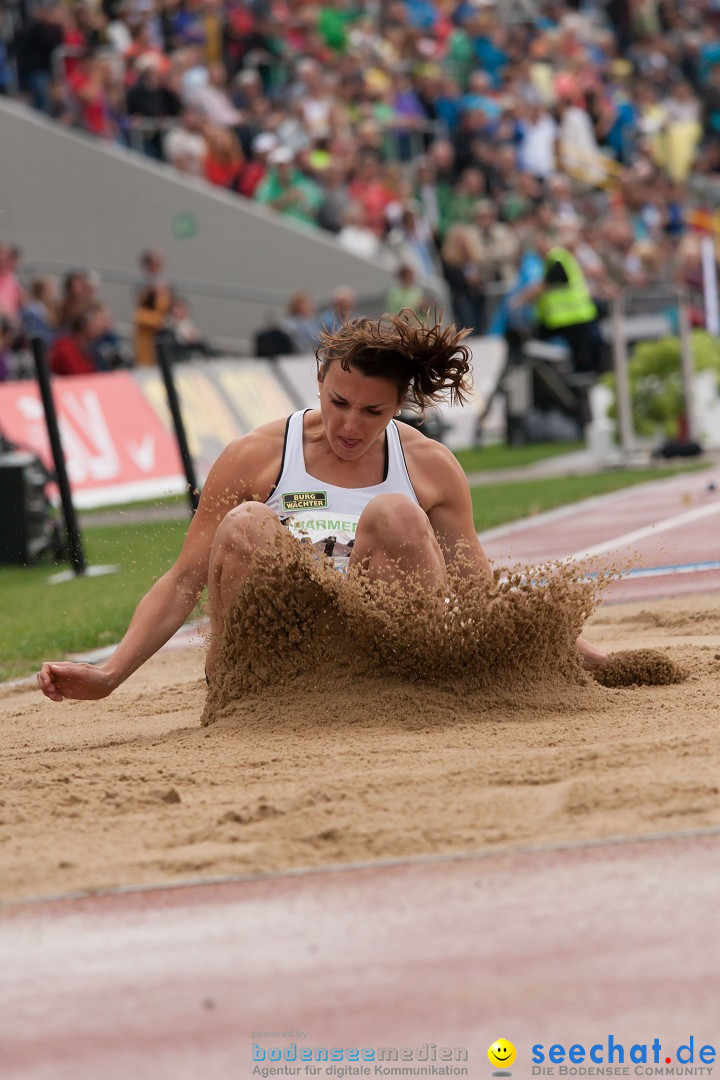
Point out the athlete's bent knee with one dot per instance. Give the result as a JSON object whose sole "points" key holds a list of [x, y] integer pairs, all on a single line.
{"points": [[394, 518], [248, 522]]}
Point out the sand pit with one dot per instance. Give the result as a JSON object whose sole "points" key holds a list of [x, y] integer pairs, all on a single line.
{"points": [[335, 769]]}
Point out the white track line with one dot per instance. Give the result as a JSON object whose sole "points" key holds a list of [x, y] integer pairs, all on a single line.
{"points": [[647, 530], [665, 571], [547, 517]]}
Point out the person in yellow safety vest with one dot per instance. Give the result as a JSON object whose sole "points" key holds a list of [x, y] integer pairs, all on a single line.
{"points": [[566, 299], [565, 308]]}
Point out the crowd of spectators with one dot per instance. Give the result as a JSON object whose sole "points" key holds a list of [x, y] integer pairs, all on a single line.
{"points": [[81, 337], [443, 137], [77, 327]]}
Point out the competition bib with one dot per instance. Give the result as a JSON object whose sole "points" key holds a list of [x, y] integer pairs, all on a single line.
{"points": [[330, 534]]}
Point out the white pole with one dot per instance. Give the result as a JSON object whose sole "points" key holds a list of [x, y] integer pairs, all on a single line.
{"points": [[686, 361], [622, 381], [710, 285]]}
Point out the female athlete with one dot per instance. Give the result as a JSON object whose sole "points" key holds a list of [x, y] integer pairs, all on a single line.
{"points": [[377, 497]]}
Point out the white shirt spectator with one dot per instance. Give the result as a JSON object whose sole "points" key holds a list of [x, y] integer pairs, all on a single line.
{"points": [[316, 113], [119, 37], [360, 241], [579, 151], [430, 205], [185, 150], [215, 104], [290, 132], [201, 90], [537, 147]]}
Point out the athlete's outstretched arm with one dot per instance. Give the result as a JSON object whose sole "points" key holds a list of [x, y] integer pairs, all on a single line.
{"points": [[452, 516], [166, 606]]}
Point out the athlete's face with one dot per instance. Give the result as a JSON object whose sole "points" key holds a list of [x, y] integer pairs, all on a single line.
{"points": [[355, 409]]}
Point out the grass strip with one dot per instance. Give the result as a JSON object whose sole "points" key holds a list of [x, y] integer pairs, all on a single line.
{"points": [[498, 504], [39, 621], [501, 456]]}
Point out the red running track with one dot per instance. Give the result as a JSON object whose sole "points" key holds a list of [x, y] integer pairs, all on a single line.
{"points": [[552, 946], [665, 524]]}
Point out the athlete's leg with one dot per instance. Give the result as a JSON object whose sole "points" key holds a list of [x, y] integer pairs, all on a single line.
{"points": [[243, 531], [394, 538]]}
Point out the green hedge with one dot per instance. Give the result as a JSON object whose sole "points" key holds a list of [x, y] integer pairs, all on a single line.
{"points": [[656, 381]]}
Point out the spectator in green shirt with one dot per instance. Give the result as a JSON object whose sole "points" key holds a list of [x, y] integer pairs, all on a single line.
{"points": [[333, 22], [468, 191], [405, 293], [287, 190]]}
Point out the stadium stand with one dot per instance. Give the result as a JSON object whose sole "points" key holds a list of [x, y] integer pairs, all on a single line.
{"points": [[447, 137]]}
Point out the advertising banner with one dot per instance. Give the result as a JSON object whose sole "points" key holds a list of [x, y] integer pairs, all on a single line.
{"points": [[115, 447], [117, 433], [220, 400], [209, 423]]}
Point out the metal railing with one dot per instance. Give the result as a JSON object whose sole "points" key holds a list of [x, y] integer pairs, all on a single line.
{"points": [[275, 301], [189, 286], [400, 143], [140, 130]]}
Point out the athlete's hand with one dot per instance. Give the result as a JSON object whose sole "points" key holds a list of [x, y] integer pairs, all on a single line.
{"points": [[66, 679]]}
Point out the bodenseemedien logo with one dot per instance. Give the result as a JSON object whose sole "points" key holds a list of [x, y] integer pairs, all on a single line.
{"points": [[341, 1062]]}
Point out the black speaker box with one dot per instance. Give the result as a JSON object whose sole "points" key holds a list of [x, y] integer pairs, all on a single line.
{"points": [[27, 528]]}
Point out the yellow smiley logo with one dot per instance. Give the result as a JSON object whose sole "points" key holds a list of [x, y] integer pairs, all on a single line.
{"points": [[501, 1053]]}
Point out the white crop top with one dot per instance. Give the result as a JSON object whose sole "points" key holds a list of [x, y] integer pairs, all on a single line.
{"points": [[322, 514]]}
